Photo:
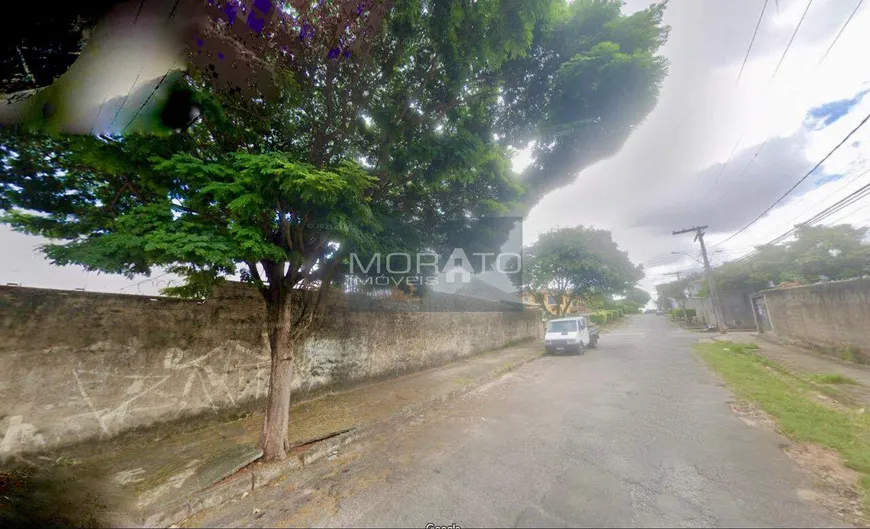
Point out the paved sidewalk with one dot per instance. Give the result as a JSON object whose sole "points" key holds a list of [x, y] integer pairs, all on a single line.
{"points": [[804, 362], [149, 471]]}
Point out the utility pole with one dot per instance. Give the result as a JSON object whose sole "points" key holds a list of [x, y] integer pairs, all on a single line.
{"points": [[708, 271]]}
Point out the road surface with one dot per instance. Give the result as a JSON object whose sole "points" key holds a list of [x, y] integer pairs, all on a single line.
{"points": [[636, 433]]}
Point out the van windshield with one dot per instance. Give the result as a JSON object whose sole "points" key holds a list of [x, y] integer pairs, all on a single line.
{"points": [[562, 326]]}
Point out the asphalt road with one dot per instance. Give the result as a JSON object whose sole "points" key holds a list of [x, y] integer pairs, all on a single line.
{"points": [[636, 433]]}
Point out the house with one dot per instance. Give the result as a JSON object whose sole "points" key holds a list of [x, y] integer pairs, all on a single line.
{"points": [[575, 307]]}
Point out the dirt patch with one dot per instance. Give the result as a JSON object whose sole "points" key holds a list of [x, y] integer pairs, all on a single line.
{"points": [[837, 485], [752, 415]]}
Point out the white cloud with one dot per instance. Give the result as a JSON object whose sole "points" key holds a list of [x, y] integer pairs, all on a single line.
{"points": [[664, 173]]}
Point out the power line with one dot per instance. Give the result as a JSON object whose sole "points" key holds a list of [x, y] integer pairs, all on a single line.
{"points": [[174, 6], [854, 169], [850, 199], [793, 35], [842, 29], [840, 218], [124, 101], [799, 182], [139, 11], [724, 166], [769, 136], [751, 42], [858, 223], [147, 99], [100, 111], [159, 83], [754, 156], [728, 160], [838, 206]]}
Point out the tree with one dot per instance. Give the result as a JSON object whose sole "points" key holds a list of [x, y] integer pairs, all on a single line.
{"points": [[572, 264], [817, 253], [573, 79], [638, 296], [370, 127], [675, 290], [590, 77]]}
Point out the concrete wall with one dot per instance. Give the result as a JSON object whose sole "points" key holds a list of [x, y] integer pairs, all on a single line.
{"points": [[735, 307], [77, 365], [831, 314]]}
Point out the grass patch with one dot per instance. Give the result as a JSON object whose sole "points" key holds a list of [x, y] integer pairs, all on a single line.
{"points": [[831, 378], [464, 381], [793, 404], [849, 353]]}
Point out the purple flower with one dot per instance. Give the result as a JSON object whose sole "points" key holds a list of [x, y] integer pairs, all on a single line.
{"points": [[346, 54], [230, 10], [256, 23], [263, 5], [333, 53], [199, 42], [220, 55], [306, 31]]}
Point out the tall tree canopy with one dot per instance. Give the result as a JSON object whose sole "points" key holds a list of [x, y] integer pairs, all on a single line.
{"points": [[576, 264], [362, 127]]}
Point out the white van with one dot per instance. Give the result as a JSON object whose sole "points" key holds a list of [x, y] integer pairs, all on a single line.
{"points": [[570, 334]]}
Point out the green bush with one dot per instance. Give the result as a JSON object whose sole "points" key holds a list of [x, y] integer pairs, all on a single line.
{"points": [[683, 314], [602, 316]]}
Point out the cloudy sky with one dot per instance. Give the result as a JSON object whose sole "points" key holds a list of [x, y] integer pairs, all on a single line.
{"points": [[672, 172]]}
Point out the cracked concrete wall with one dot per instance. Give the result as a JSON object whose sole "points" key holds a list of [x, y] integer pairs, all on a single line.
{"points": [[833, 314], [79, 365], [735, 308]]}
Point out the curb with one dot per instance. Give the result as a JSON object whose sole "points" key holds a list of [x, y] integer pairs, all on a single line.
{"points": [[259, 475]]}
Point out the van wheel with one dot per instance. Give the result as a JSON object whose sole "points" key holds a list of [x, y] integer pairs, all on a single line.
{"points": [[581, 348]]}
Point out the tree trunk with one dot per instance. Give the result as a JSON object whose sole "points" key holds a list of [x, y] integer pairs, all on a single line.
{"points": [[274, 440]]}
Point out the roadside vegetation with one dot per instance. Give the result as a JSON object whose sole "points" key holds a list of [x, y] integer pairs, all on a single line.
{"points": [[795, 404], [831, 378], [817, 253]]}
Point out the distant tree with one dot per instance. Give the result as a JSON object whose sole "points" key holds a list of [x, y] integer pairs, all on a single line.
{"points": [[638, 295], [573, 264], [675, 290], [818, 252]]}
